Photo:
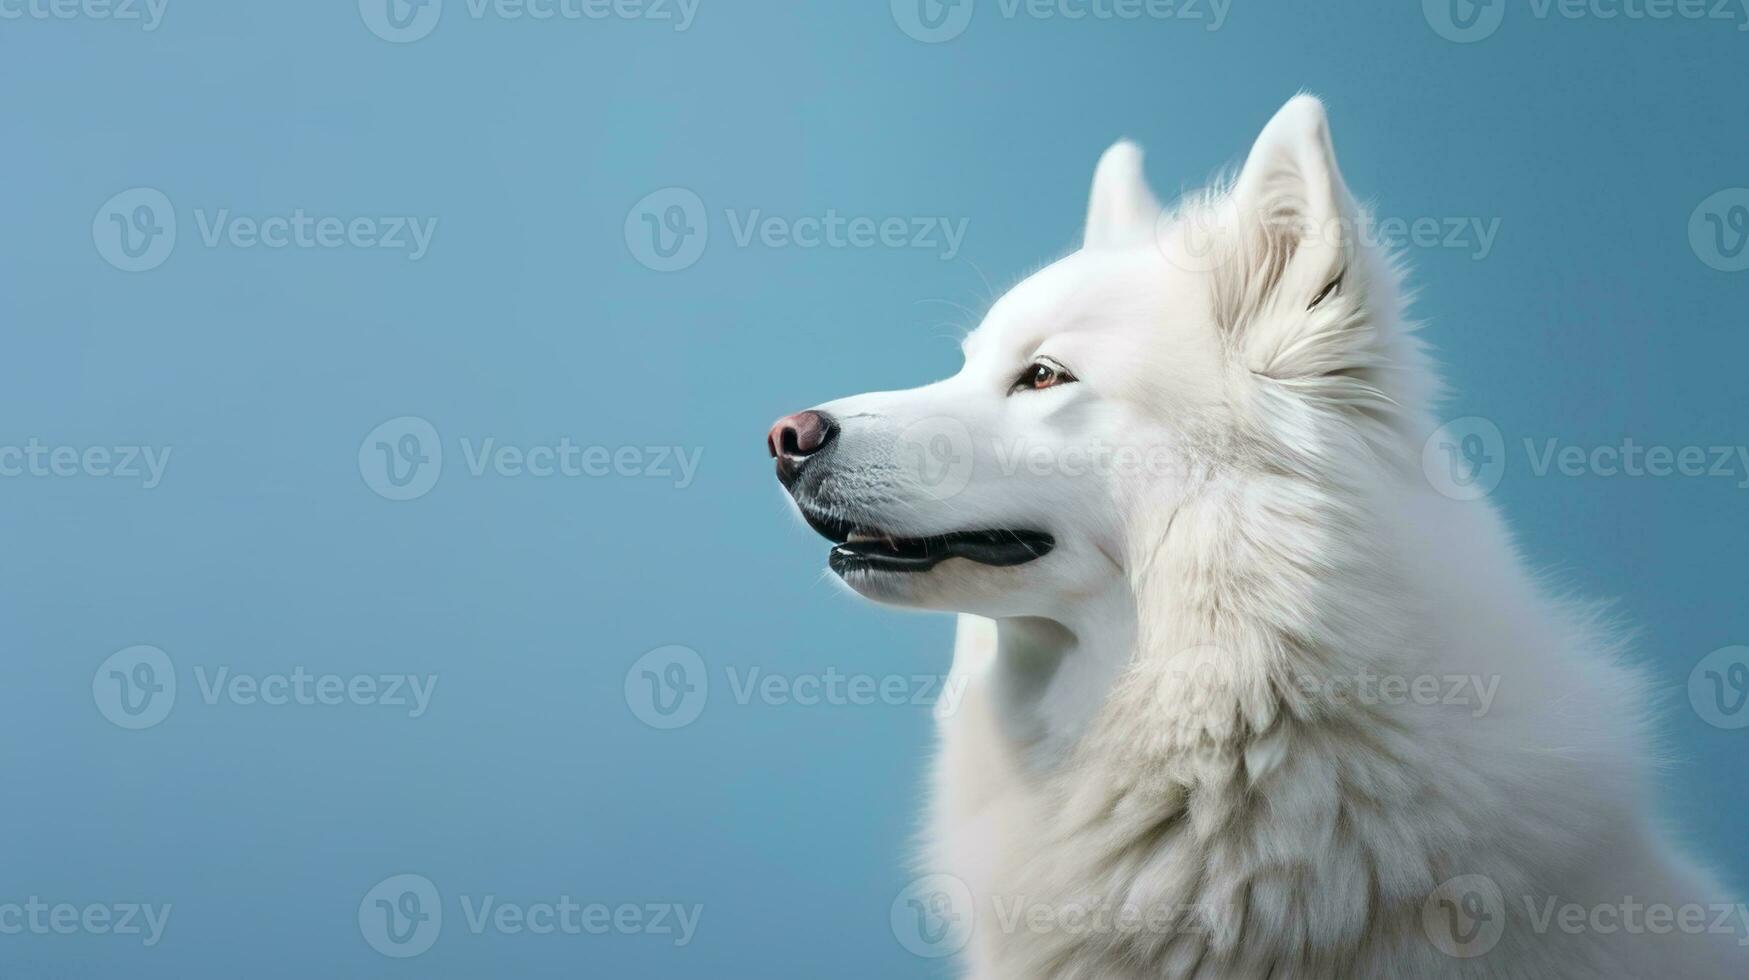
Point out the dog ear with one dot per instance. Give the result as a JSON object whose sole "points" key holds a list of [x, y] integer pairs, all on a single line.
{"points": [[1121, 210], [1291, 194], [1305, 301], [1295, 287]]}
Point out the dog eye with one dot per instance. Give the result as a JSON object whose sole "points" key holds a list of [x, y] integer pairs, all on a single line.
{"points": [[1040, 375]]}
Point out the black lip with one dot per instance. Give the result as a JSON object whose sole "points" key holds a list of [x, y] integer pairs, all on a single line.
{"points": [[999, 547], [879, 551]]}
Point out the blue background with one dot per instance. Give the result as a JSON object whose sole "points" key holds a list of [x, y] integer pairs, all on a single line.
{"points": [[1591, 140]]}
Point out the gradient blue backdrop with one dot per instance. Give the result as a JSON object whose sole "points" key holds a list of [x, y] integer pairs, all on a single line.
{"points": [[1592, 318]]}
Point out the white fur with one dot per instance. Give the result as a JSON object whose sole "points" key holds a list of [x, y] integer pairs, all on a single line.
{"points": [[1154, 719]]}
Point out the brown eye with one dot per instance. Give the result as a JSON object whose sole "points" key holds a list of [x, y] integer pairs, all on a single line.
{"points": [[1040, 375]]}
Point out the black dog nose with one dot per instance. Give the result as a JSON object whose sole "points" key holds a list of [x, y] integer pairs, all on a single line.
{"points": [[793, 439]]}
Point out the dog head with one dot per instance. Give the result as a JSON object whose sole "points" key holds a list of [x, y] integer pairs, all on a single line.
{"points": [[1244, 329]]}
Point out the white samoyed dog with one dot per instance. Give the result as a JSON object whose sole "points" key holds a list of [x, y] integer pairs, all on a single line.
{"points": [[1248, 690]]}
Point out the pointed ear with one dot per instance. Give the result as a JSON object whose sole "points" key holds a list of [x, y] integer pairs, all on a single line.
{"points": [[1121, 211], [1292, 192]]}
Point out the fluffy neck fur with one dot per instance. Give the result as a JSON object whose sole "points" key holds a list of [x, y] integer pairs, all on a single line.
{"points": [[1218, 788], [1242, 621]]}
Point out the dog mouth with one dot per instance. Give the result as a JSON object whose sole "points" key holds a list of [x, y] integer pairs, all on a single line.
{"points": [[862, 548]]}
